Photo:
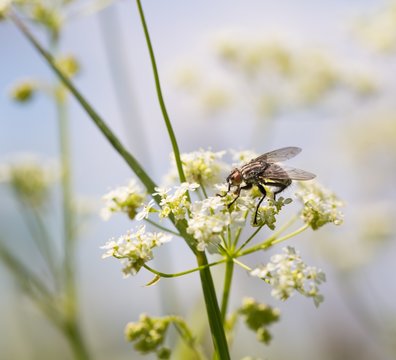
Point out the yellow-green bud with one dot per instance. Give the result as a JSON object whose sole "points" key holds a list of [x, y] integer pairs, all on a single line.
{"points": [[69, 65], [23, 91]]}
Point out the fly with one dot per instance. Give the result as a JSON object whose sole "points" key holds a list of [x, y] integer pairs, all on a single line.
{"points": [[264, 170]]}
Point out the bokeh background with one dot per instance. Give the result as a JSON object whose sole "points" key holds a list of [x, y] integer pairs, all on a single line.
{"points": [[242, 75]]}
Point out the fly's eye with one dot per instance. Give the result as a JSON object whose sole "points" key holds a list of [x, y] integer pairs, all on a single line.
{"points": [[236, 177]]}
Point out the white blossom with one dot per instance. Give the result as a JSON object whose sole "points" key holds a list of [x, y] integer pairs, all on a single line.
{"points": [[287, 273], [134, 249], [175, 203], [127, 199], [321, 206], [203, 167]]}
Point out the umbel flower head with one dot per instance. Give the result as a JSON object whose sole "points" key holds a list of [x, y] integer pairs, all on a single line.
{"points": [[127, 199], [202, 167], [134, 249], [287, 273], [321, 206]]}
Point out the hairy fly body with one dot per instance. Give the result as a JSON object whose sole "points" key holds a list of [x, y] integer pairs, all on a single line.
{"points": [[264, 171]]}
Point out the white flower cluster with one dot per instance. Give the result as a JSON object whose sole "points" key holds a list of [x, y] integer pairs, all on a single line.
{"points": [[176, 203], [134, 249], [287, 273], [210, 219], [321, 206], [127, 199], [202, 167]]}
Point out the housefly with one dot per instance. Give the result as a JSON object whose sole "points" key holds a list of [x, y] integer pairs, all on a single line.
{"points": [[264, 171]]}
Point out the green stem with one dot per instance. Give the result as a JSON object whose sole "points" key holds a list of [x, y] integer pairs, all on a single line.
{"points": [[186, 335], [212, 308], [95, 117], [160, 96], [72, 328], [40, 235], [166, 275], [250, 238], [217, 330], [162, 227], [67, 211], [242, 265], [272, 241], [74, 335], [227, 287]]}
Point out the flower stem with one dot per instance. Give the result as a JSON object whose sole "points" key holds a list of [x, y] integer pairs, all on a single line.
{"points": [[95, 117], [250, 238], [72, 327], [212, 308], [165, 275], [168, 124], [162, 227], [227, 287], [272, 241]]}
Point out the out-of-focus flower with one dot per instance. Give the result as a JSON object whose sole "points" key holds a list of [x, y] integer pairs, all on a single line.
{"points": [[68, 65], [379, 30], [258, 317], [287, 273], [134, 249], [23, 91], [321, 206], [49, 17], [127, 199], [30, 179], [4, 5], [243, 156], [215, 98], [148, 335]]}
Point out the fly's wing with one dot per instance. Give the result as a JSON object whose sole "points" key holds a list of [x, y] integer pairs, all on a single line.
{"points": [[275, 171], [279, 155]]}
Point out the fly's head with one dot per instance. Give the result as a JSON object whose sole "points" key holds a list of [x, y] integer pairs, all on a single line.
{"points": [[235, 178]]}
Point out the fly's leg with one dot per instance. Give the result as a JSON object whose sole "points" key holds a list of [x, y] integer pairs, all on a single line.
{"points": [[264, 192], [280, 187], [238, 192], [228, 190]]}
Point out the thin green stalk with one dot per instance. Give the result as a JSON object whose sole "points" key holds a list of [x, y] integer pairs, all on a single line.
{"points": [[40, 235], [214, 315], [67, 211], [227, 287], [212, 308], [272, 241], [187, 336], [242, 265], [165, 275], [239, 231], [95, 117], [250, 238], [168, 124], [72, 328], [162, 227]]}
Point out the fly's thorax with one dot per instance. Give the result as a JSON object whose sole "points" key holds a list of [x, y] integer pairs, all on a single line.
{"points": [[253, 169]]}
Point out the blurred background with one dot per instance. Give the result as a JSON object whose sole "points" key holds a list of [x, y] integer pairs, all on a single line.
{"points": [[255, 75]]}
